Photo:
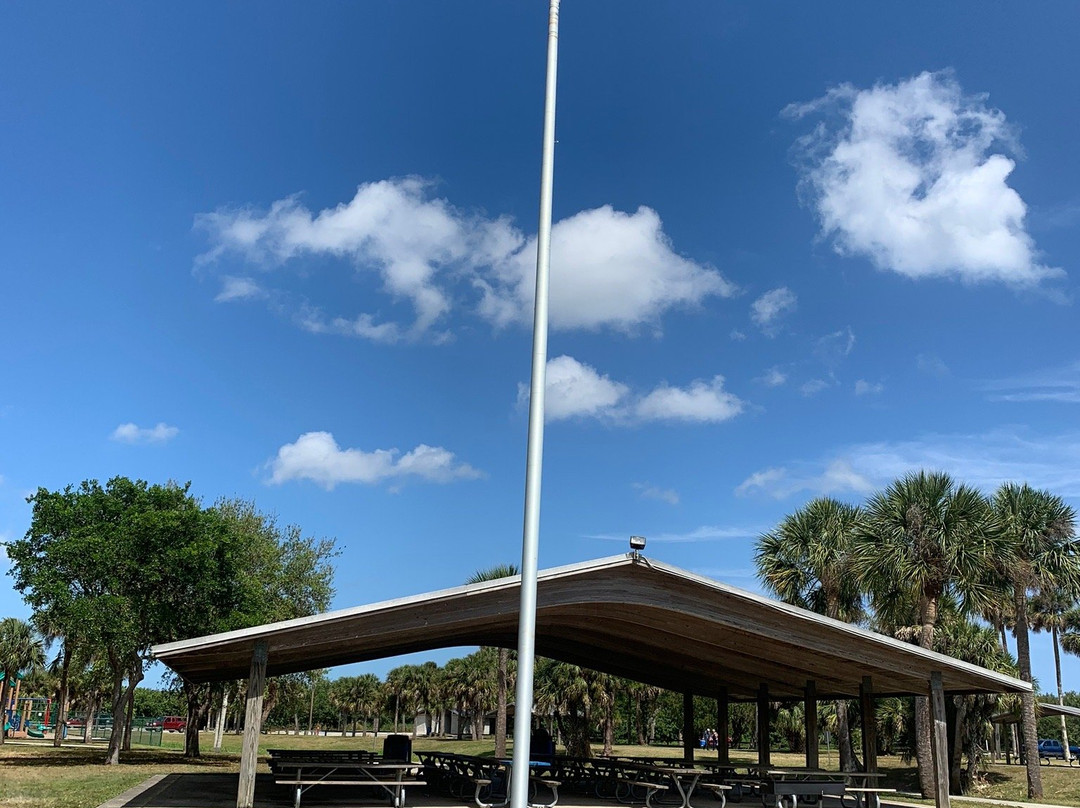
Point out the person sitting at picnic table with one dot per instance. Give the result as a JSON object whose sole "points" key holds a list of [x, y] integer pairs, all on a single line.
{"points": [[541, 747]]}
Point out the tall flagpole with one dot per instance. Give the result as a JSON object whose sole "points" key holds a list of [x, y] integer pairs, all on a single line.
{"points": [[530, 542]]}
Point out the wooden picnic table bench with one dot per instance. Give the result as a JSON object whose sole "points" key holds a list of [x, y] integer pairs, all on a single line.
{"points": [[301, 774]]}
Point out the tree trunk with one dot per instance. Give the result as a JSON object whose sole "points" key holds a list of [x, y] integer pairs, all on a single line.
{"points": [[500, 707], [956, 710], [1027, 700], [219, 730], [112, 757], [129, 719], [62, 695], [923, 724], [575, 733], [609, 726], [1061, 694], [848, 761], [91, 717], [396, 705], [197, 708]]}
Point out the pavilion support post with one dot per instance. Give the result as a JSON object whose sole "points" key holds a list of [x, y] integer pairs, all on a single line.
{"points": [[939, 741], [723, 727], [689, 739], [813, 755], [869, 723], [763, 726], [249, 751]]}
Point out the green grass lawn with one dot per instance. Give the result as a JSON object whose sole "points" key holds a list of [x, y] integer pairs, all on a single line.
{"points": [[35, 775]]}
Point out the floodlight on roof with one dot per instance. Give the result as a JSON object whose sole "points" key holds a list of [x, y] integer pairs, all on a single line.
{"points": [[637, 544]]}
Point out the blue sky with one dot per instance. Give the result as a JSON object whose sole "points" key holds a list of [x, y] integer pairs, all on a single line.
{"points": [[285, 253]]}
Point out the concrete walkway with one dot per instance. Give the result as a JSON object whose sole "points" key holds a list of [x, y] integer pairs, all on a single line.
{"points": [[218, 790]]}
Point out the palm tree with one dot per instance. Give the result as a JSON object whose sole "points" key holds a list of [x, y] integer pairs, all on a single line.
{"points": [[565, 690], [21, 650], [366, 698], [1040, 530], [1051, 611], [470, 683], [503, 681], [395, 687], [923, 536], [807, 561]]}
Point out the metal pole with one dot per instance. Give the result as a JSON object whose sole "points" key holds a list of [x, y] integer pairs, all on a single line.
{"points": [[519, 786]]}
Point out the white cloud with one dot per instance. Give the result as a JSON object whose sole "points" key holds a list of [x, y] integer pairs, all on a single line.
{"points": [[364, 326], [701, 402], [233, 288], [132, 433], [390, 227], [833, 348], [911, 176], [931, 365], [1058, 384], [316, 456], [577, 390], [985, 459], [772, 305], [837, 478], [774, 377], [813, 387], [608, 268], [865, 388], [647, 491], [737, 335]]}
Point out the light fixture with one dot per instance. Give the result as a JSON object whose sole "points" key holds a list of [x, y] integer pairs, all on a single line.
{"points": [[637, 544]]}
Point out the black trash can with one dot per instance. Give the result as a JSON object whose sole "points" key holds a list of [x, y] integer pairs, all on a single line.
{"points": [[397, 747]]}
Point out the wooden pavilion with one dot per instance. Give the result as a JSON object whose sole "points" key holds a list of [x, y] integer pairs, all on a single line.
{"points": [[625, 615]]}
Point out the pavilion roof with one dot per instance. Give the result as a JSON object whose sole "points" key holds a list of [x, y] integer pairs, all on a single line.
{"points": [[629, 616]]}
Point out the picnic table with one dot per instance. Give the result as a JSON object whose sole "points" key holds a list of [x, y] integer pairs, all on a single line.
{"points": [[652, 776], [536, 780], [780, 784], [302, 770]]}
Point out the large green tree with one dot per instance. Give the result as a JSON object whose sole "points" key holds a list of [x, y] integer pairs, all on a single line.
{"points": [[503, 683], [126, 565], [808, 561], [107, 563], [1041, 556], [921, 538]]}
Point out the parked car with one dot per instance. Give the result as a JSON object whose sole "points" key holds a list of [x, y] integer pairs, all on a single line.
{"points": [[174, 723], [154, 723], [1050, 748]]}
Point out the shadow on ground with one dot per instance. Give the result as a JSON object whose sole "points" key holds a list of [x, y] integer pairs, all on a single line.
{"points": [[66, 756]]}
